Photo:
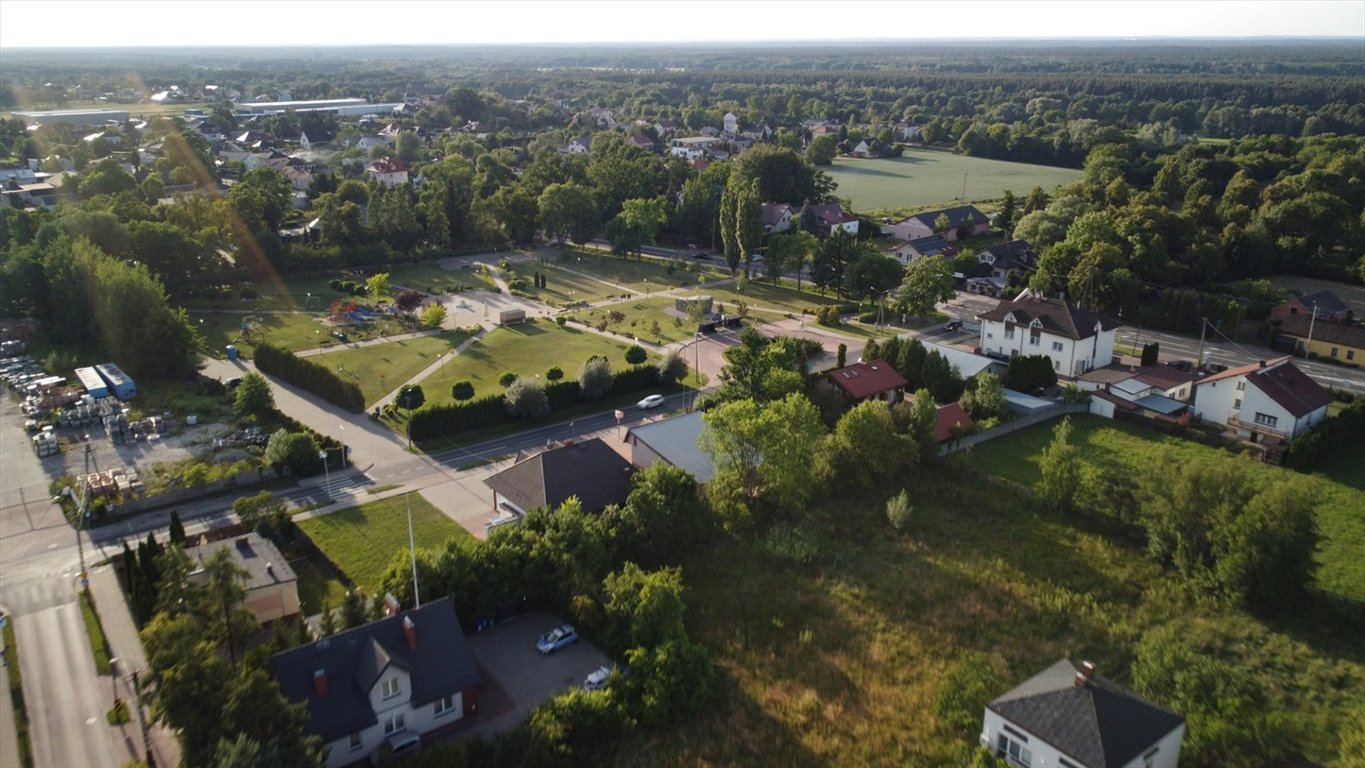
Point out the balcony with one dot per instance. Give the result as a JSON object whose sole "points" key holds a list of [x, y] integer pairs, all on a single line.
{"points": [[1236, 421]]}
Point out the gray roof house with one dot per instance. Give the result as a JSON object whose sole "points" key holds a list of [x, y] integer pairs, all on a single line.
{"points": [[1069, 716], [589, 470], [674, 441], [409, 673]]}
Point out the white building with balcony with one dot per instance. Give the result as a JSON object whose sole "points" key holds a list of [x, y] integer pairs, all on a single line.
{"points": [[1076, 340], [1266, 400]]}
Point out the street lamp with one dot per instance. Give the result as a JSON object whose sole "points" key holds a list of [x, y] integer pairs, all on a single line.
{"points": [[327, 472], [80, 521], [113, 681], [342, 427]]}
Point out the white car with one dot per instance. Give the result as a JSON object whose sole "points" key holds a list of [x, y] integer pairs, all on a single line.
{"points": [[597, 680], [653, 401]]}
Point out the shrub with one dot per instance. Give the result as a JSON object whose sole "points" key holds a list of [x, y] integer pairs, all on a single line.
{"points": [[636, 354], [526, 398], [595, 379], [310, 376], [560, 321], [249, 293], [410, 396], [555, 373], [463, 390], [294, 450], [899, 511], [507, 378]]}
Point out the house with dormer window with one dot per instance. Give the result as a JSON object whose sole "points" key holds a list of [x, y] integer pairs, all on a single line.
{"points": [[1076, 340], [408, 674]]}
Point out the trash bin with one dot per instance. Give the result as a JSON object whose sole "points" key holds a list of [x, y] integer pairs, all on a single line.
{"points": [[232, 351]]}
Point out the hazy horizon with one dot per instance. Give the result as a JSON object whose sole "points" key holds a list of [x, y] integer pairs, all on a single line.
{"points": [[358, 23]]}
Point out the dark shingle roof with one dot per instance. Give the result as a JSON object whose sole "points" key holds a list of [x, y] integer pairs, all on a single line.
{"points": [[1291, 388], [1328, 303], [1332, 333], [955, 216], [353, 661], [590, 470], [1016, 254], [1099, 724], [1058, 317], [933, 245]]}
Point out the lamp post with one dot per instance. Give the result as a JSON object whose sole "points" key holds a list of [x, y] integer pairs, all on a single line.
{"points": [[80, 521], [113, 680], [342, 463], [327, 472]]}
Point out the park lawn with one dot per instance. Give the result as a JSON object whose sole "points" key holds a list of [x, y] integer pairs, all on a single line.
{"points": [[381, 368], [1111, 445], [362, 540], [640, 276], [562, 287], [316, 586], [527, 349], [430, 277], [769, 297], [837, 662], [277, 293], [929, 178], [640, 317]]}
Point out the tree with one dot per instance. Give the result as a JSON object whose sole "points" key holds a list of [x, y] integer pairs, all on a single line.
{"points": [[255, 709], [636, 354], [176, 533], [296, 451], [242, 751], [663, 517], [105, 178], [1009, 211], [526, 398], [765, 451], [377, 285], [842, 358], [1264, 556], [1059, 478], [822, 149], [264, 514], [972, 680], [865, 450], [928, 281], [407, 301], [190, 677], [828, 264], [899, 512], [748, 222], [410, 397], [645, 608], [1150, 353], [254, 400], [871, 274], [988, 399], [433, 315], [672, 368], [729, 202], [567, 211], [638, 223], [464, 390], [595, 378], [791, 252], [922, 425]]}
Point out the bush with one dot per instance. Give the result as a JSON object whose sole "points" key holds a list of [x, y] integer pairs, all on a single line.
{"points": [[636, 354], [463, 390], [310, 376], [560, 321], [295, 450], [526, 398], [595, 379], [507, 378], [554, 373], [449, 420], [899, 511]]}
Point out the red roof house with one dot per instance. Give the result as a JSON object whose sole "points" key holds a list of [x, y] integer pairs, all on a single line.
{"points": [[867, 381]]}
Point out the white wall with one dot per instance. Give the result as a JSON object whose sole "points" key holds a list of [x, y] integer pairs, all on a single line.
{"points": [[1255, 401], [1074, 358], [1214, 401], [420, 720]]}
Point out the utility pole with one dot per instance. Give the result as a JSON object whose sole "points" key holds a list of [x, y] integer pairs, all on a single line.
{"points": [[142, 721], [1311, 323], [412, 549], [1203, 324]]}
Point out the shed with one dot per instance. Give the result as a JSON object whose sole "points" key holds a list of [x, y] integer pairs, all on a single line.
{"points": [[94, 385], [510, 316]]}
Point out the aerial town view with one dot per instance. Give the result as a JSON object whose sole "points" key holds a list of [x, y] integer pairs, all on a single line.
{"points": [[675, 384]]}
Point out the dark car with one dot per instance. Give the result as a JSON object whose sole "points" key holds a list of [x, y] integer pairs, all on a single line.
{"points": [[339, 335]]}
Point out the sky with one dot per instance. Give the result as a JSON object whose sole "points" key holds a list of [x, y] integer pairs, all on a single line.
{"points": [[86, 23]]}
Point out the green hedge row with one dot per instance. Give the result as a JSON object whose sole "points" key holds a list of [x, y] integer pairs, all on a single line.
{"points": [[488, 411], [308, 375]]}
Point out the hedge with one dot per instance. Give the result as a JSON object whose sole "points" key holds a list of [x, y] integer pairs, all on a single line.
{"points": [[308, 375], [450, 420]]}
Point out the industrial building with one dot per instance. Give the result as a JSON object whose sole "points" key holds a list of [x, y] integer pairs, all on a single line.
{"points": [[72, 117]]}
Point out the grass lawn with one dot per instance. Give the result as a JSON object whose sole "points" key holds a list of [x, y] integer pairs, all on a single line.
{"points": [[837, 662], [924, 178], [766, 296], [433, 278], [362, 540], [640, 317], [296, 292], [94, 632], [317, 586], [527, 349], [561, 286], [381, 368], [633, 274], [1340, 486]]}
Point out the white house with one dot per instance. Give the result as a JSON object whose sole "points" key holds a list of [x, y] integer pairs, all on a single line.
{"points": [[1266, 400], [410, 673], [923, 224], [907, 131], [833, 216], [389, 171], [366, 143], [1076, 340], [731, 123], [579, 146], [777, 217], [1069, 717], [862, 150]]}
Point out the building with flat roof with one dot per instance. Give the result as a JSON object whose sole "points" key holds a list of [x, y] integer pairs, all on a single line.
{"points": [[351, 107], [72, 116]]}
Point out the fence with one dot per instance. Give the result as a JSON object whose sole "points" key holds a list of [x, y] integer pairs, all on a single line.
{"points": [[1023, 422], [132, 507]]}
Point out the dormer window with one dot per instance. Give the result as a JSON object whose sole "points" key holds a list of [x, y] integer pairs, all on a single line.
{"points": [[1036, 323], [1010, 318], [390, 688]]}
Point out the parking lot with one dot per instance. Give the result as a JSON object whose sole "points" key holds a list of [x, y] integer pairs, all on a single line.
{"points": [[517, 677]]}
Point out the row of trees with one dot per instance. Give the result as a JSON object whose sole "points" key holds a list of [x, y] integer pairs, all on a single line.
{"points": [[308, 375]]}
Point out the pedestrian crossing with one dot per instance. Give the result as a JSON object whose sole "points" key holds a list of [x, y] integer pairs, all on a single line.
{"points": [[338, 485]]}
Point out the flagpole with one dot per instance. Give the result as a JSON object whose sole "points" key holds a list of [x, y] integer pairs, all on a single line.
{"points": [[412, 549]]}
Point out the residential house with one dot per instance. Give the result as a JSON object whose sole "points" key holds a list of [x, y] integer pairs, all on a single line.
{"points": [[317, 139], [1016, 254], [1071, 717], [875, 380], [907, 131], [1332, 341], [672, 440], [777, 217], [693, 147], [643, 142], [1075, 339], [730, 123], [367, 143], [665, 127], [389, 171], [410, 673], [589, 470], [1160, 392], [969, 365], [950, 422], [272, 589], [1265, 401], [40, 194], [925, 224], [907, 251], [833, 217], [862, 150], [1325, 304], [824, 129], [580, 146]]}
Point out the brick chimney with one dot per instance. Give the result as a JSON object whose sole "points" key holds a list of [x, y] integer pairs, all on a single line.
{"points": [[320, 682], [410, 632], [1088, 667]]}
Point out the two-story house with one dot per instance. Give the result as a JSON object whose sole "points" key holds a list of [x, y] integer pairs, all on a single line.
{"points": [[777, 217], [833, 217], [389, 171], [411, 673], [926, 224], [1016, 254], [1265, 400], [1076, 340], [1069, 717]]}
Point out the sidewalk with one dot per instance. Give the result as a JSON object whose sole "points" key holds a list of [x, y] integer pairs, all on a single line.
{"points": [[125, 644]]}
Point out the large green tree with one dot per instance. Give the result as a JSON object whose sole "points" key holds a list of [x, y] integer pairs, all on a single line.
{"points": [[928, 281], [567, 211], [765, 451]]}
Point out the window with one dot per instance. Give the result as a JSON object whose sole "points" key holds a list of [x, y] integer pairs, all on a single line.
{"points": [[1241, 385], [356, 742], [445, 705], [1334, 352], [391, 688], [1266, 419], [1009, 333], [1237, 403], [1033, 340], [1350, 354], [1018, 753], [394, 724], [1056, 346], [990, 335], [1148, 759], [1056, 365]]}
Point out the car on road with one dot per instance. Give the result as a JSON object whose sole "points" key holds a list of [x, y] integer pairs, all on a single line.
{"points": [[233, 382], [597, 679], [953, 325], [556, 638], [653, 401]]}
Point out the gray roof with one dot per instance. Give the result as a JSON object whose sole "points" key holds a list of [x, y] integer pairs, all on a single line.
{"points": [[676, 441], [967, 364], [1328, 303], [1099, 724], [956, 216], [1016, 254], [258, 556], [1161, 404], [1056, 316], [590, 470], [354, 660]]}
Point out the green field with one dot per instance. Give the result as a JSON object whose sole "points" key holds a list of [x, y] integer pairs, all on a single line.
{"points": [[926, 178], [527, 349], [1107, 444], [362, 540], [433, 278], [640, 317], [381, 368]]}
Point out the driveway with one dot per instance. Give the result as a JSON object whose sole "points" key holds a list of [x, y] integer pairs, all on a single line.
{"points": [[517, 678]]}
